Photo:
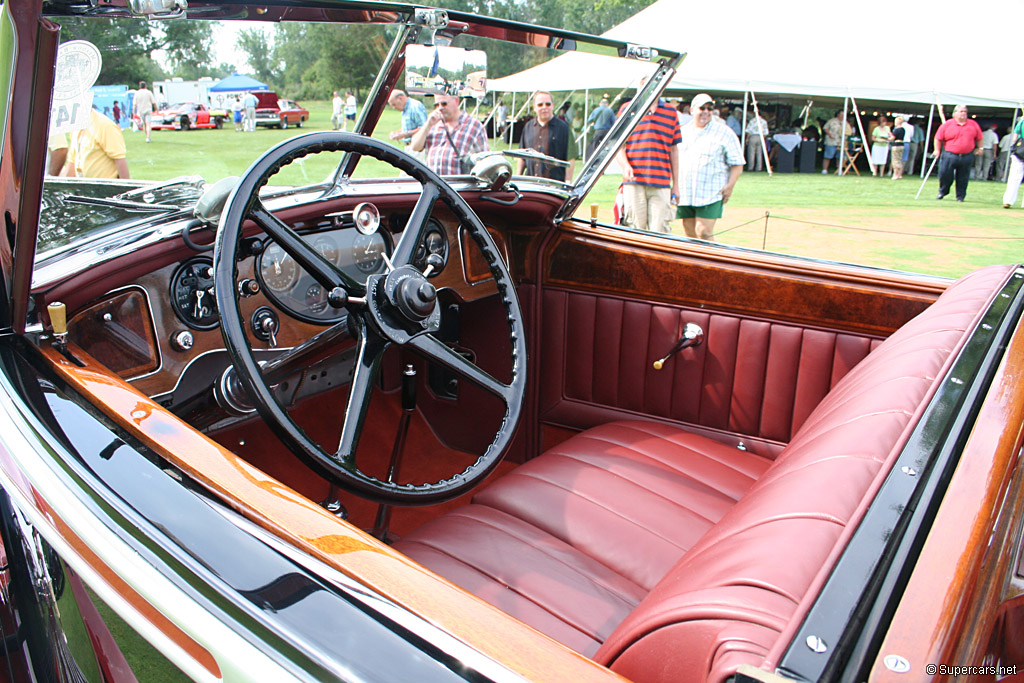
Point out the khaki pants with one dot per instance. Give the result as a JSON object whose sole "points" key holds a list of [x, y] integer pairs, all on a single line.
{"points": [[648, 208]]}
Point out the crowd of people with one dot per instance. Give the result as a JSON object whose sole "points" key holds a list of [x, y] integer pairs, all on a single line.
{"points": [[680, 162]]}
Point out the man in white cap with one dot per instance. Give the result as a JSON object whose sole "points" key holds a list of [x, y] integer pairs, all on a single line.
{"points": [[710, 163]]}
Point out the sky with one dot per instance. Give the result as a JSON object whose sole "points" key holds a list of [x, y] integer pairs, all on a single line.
{"points": [[225, 37]]}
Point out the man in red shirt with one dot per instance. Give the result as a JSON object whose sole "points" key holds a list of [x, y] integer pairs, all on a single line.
{"points": [[957, 141]]}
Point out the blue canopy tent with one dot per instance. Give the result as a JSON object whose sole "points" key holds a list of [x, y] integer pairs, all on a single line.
{"points": [[237, 83]]}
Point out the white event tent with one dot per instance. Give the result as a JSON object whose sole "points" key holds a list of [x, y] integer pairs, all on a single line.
{"points": [[899, 55], [907, 55]]}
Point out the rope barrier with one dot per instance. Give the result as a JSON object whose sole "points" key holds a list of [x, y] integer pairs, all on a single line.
{"points": [[767, 215]]}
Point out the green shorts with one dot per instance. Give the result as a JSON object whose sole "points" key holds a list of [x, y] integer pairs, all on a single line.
{"points": [[709, 211]]}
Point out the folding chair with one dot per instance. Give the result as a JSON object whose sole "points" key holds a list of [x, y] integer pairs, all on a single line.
{"points": [[853, 153]]}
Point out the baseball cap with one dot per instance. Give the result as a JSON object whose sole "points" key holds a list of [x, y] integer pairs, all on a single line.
{"points": [[700, 100]]}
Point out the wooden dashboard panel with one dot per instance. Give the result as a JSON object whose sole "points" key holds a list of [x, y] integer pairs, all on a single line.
{"points": [[131, 327]]}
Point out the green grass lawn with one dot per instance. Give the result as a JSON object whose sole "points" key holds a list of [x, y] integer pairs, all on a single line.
{"points": [[873, 221]]}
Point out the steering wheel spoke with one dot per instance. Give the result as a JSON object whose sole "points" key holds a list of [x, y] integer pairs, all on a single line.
{"points": [[304, 254], [439, 352], [413, 234], [364, 376]]}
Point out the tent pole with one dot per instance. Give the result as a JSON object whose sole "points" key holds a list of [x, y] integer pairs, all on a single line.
{"points": [[927, 138], [743, 131], [1013, 124], [586, 117], [863, 136], [807, 111], [513, 125], [764, 143], [842, 134]]}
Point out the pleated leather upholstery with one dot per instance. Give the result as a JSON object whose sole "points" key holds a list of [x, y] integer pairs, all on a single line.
{"points": [[571, 541], [751, 377], [671, 557]]}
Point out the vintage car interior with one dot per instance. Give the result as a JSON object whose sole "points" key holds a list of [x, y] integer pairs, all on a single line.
{"points": [[669, 459]]}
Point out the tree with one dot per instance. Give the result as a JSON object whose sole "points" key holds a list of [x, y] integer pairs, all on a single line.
{"points": [[129, 49], [259, 49], [126, 62], [321, 58]]}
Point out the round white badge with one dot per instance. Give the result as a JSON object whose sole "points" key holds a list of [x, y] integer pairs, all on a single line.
{"points": [[78, 67]]}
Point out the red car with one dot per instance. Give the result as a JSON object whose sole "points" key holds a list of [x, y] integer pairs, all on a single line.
{"points": [[185, 115], [271, 111]]}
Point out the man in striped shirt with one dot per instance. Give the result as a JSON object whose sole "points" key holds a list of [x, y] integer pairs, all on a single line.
{"points": [[650, 162]]}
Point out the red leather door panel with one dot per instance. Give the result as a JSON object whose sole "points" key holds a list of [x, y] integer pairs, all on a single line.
{"points": [[750, 377]]}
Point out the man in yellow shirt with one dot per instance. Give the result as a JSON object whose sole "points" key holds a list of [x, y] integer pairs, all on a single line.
{"points": [[97, 151]]}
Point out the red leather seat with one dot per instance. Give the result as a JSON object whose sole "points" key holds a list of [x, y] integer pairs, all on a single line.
{"points": [[671, 557], [572, 541]]}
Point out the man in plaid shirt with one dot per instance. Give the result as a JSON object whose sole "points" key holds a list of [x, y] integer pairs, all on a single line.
{"points": [[710, 163], [457, 136]]}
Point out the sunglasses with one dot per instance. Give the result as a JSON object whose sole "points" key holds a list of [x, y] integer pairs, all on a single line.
{"points": [[708, 107], [543, 104], [442, 104]]}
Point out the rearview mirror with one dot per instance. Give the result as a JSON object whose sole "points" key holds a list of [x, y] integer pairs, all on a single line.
{"points": [[445, 70]]}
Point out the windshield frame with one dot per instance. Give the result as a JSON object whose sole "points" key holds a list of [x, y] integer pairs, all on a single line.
{"points": [[451, 24]]}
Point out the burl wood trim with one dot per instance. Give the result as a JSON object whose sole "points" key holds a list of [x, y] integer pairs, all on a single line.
{"points": [[951, 602], [475, 269], [88, 328], [617, 262], [305, 525]]}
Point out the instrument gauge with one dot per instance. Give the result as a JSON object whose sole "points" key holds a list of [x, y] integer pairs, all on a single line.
{"points": [[192, 294], [326, 247], [316, 300], [434, 242], [368, 252], [278, 270]]}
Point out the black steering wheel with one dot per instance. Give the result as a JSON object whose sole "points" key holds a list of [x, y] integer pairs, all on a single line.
{"points": [[396, 307]]}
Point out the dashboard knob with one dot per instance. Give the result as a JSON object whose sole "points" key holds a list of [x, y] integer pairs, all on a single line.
{"points": [[434, 264], [248, 287], [182, 340], [337, 297]]}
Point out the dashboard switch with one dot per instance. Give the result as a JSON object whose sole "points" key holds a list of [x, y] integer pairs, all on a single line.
{"points": [[248, 287], [265, 325]]}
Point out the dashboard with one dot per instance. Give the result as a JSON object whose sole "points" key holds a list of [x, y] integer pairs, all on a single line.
{"points": [[157, 328]]}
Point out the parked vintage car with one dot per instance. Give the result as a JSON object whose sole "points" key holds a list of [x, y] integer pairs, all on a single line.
{"points": [[308, 424], [187, 115], [271, 111]]}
